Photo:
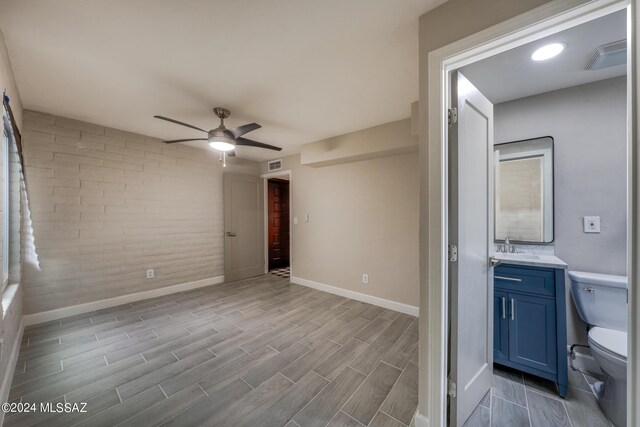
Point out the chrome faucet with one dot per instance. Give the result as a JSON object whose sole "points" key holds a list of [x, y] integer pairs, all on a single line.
{"points": [[507, 247]]}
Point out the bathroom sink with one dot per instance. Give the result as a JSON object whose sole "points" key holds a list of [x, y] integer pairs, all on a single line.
{"points": [[522, 257], [541, 260]]}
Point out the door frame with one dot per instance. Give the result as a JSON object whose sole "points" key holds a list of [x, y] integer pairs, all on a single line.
{"points": [[265, 179], [540, 22]]}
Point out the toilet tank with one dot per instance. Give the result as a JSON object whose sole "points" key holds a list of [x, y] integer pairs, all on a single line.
{"points": [[601, 299]]}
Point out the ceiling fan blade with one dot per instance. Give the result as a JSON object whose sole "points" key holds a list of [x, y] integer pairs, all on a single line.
{"points": [[179, 123], [241, 130], [250, 143], [185, 140]]}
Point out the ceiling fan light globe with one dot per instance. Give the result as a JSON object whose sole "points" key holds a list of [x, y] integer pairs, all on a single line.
{"points": [[221, 145]]}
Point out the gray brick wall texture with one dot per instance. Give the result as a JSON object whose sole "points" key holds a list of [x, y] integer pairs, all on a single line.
{"points": [[107, 205]]}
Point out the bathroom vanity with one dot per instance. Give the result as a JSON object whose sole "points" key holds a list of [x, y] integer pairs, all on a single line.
{"points": [[529, 318], [529, 321]]}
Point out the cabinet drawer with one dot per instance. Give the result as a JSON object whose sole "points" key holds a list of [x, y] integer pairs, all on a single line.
{"points": [[525, 279]]}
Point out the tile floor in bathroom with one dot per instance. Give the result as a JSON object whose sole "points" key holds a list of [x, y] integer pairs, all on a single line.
{"points": [[518, 399]]}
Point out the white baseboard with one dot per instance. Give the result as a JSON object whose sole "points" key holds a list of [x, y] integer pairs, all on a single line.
{"points": [[11, 367], [45, 316], [381, 302]]}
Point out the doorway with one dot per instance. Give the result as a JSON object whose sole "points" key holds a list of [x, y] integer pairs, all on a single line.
{"points": [[278, 226], [278, 232], [441, 304]]}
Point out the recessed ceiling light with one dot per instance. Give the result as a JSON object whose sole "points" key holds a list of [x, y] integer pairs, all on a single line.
{"points": [[547, 51]]}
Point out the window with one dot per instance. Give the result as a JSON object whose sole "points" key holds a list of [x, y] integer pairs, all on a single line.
{"points": [[7, 137]]}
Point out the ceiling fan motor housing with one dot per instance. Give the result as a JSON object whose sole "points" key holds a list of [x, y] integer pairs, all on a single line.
{"points": [[220, 132]]}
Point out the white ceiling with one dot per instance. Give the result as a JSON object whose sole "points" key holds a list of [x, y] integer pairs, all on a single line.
{"points": [[513, 74], [304, 70]]}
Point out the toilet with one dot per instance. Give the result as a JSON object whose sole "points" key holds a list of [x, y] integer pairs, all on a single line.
{"points": [[601, 300]]}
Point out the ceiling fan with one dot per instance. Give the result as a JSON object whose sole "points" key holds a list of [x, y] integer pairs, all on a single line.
{"points": [[223, 139]]}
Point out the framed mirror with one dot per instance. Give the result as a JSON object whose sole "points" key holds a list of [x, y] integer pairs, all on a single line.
{"points": [[524, 191]]}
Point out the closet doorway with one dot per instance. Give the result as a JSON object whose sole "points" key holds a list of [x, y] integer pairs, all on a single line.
{"points": [[278, 226]]}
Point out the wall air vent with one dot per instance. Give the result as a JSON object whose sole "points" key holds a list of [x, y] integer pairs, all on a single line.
{"points": [[274, 165], [608, 55]]}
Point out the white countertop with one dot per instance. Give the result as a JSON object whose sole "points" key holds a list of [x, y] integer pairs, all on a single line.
{"points": [[535, 260]]}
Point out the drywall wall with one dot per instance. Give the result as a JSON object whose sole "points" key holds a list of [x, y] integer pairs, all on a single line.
{"points": [[379, 141], [8, 83], [108, 205], [588, 125], [11, 312], [363, 218], [452, 21]]}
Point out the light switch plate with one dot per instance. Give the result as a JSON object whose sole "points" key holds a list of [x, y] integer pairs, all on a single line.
{"points": [[306, 218], [295, 220], [591, 224]]}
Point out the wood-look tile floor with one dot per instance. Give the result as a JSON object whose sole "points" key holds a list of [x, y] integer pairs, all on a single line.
{"points": [[518, 399], [255, 352]]}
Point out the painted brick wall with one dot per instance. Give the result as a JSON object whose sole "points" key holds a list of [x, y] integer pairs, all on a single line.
{"points": [[107, 205]]}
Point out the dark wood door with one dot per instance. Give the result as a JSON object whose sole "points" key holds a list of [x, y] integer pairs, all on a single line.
{"points": [[278, 199]]}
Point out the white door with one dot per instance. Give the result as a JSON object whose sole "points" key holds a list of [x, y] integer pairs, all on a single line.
{"points": [[471, 230], [243, 226]]}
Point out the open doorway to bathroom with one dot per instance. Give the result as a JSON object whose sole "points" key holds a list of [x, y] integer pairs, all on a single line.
{"points": [[538, 185]]}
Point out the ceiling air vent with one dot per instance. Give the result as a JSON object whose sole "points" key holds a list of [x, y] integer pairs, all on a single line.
{"points": [[275, 165], [608, 55]]}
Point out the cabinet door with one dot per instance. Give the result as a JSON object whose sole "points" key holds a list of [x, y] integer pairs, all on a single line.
{"points": [[500, 326], [532, 332]]}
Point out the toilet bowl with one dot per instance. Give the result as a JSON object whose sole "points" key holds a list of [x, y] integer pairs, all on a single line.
{"points": [[609, 349], [601, 301]]}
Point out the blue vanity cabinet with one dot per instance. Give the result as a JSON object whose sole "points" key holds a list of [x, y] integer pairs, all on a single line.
{"points": [[530, 332], [500, 325]]}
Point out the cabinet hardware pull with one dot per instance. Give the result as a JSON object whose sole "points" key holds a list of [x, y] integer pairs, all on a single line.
{"points": [[504, 308], [513, 309], [511, 279]]}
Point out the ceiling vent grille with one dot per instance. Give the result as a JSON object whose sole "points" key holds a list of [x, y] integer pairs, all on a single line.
{"points": [[274, 165], [608, 55]]}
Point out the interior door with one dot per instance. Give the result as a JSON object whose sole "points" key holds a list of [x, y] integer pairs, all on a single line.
{"points": [[243, 225], [278, 227], [471, 231]]}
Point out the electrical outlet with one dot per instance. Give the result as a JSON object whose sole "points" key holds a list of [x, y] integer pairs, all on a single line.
{"points": [[151, 273], [365, 278], [591, 224]]}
